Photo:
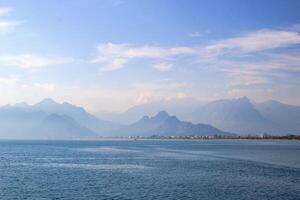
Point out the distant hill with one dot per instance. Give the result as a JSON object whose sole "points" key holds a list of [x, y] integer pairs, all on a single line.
{"points": [[165, 125], [61, 126], [77, 113], [286, 118], [49, 119], [240, 115], [179, 108], [245, 117], [17, 123], [234, 115]]}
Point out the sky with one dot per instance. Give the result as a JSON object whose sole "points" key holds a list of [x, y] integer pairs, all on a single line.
{"points": [[109, 55]]}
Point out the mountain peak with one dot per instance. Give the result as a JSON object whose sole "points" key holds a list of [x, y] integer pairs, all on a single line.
{"points": [[145, 118], [21, 105], [243, 99], [162, 114], [47, 101]]}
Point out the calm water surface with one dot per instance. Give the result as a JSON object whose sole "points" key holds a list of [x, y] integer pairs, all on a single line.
{"points": [[150, 170]]}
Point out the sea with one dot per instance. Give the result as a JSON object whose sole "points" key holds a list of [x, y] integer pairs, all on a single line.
{"points": [[150, 169]]}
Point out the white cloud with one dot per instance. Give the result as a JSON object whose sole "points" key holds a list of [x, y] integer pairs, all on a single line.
{"points": [[199, 34], [247, 77], [260, 71], [46, 86], [195, 34], [8, 81], [256, 41], [5, 11], [93, 97], [156, 90], [5, 24], [8, 26], [14, 90], [115, 56], [145, 97], [163, 66], [27, 61]]}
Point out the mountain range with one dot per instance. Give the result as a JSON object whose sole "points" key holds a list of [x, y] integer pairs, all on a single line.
{"points": [[240, 115], [51, 120], [163, 124], [178, 107]]}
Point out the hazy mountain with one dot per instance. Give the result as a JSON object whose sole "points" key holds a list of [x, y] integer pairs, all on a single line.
{"points": [[48, 119], [179, 107], [239, 115], [61, 126], [22, 105], [233, 115], [245, 117], [82, 117], [286, 117], [165, 125], [18, 123]]}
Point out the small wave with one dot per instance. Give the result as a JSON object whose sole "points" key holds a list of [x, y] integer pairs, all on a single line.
{"points": [[109, 150], [86, 166]]}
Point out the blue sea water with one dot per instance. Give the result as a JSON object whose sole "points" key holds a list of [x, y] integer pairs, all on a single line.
{"points": [[150, 169]]}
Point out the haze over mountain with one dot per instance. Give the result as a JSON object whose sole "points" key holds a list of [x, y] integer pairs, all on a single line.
{"points": [[286, 117], [49, 119], [240, 115], [178, 107], [52, 120], [165, 125], [18, 123], [244, 117], [77, 113]]}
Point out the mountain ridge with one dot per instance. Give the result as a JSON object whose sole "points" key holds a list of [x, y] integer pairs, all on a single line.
{"points": [[165, 125], [239, 115]]}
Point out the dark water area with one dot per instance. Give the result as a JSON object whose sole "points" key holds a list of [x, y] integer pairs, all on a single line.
{"points": [[150, 169]]}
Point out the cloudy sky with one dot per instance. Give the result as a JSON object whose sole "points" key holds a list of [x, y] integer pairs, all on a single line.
{"points": [[113, 54]]}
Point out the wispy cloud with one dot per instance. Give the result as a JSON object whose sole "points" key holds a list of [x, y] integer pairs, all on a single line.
{"points": [[28, 61], [163, 67], [115, 56], [161, 89], [260, 71], [5, 11], [46, 86], [247, 62], [256, 41], [195, 34], [14, 90], [199, 34], [7, 25]]}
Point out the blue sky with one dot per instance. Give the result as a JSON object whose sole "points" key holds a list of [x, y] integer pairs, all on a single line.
{"points": [[113, 54]]}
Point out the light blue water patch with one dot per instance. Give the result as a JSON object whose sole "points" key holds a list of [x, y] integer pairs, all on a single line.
{"points": [[109, 150], [109, 167], [184, 154]]}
